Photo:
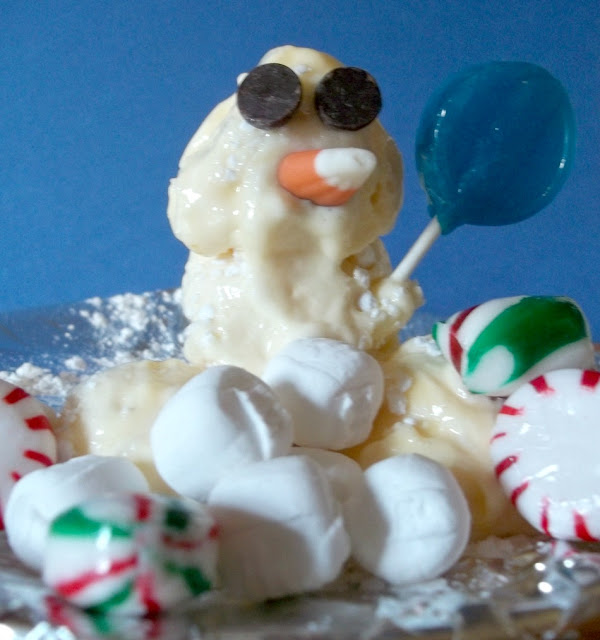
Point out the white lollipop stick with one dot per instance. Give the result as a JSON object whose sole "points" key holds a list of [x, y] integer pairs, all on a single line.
{"points": [[415, 254]]}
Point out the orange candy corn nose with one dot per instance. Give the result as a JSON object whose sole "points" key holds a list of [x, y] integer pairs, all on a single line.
{"points": [[326, 177]]}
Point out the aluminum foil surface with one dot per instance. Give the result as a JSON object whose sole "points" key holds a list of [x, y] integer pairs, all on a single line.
{"points": [[517, 588]]}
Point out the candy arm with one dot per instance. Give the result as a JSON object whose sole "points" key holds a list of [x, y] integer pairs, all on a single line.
{"points": [[398, 300], [416, 253]]}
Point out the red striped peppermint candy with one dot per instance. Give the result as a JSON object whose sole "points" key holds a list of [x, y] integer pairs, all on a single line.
{"points": [[545, 450], [27, 440]]}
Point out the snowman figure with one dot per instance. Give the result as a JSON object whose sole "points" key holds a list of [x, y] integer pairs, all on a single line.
{"points": [[281, 197]]}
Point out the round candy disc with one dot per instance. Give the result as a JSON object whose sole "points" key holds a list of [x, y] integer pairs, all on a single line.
{"points": [[347, 98], [28, 442], [269, 95], [545, 451]]}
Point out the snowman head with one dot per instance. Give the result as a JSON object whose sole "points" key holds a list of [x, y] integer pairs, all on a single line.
{"points": [[295, 159]]}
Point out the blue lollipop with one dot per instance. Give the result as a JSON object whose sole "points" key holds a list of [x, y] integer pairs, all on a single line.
{"points": [[494, 146]]}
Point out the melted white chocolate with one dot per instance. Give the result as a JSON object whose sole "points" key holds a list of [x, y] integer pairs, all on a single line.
{"points": [[266, 267], [110, 413]]}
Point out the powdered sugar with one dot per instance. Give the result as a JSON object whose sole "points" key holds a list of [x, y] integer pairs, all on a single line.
{"points": [[40, 381], [49, 351]]}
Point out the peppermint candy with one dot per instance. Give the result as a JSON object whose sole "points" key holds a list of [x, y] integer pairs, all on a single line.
{"points": [[498, 345], [544, 448], [72, 622], [28, 442], [131, 554]]}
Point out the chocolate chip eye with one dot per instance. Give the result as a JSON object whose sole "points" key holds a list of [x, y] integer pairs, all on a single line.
{"points": [[347, 98], [269, 95]]}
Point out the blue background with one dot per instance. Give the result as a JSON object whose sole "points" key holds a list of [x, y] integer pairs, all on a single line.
{"points": [[98, 100]]}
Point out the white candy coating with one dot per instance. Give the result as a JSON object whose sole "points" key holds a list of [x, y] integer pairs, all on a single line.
{"points": [[412, 522], [332, 390], [43, 494], [219, 421], [27, 440], [281, 529], [544, 448]]}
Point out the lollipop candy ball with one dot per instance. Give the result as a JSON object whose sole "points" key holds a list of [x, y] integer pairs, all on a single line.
{"points": [[495, 144]]}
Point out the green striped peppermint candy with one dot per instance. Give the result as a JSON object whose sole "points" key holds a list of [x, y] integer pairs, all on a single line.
{"points": [[131, 554], [498, 345], [87, 625]]}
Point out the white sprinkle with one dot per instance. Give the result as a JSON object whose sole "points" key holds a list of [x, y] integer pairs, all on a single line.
{"points": [[362, 277], [367, 302]]}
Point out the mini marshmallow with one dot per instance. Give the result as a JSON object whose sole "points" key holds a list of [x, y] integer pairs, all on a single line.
{"points": [[281, 529], [344, 474], [332, 390], [28, 441], [131, 554], [42, 495], [219, 421], [412, 522]]}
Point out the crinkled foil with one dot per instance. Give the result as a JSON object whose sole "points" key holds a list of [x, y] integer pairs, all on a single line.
{"points": [[517, 588]]}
